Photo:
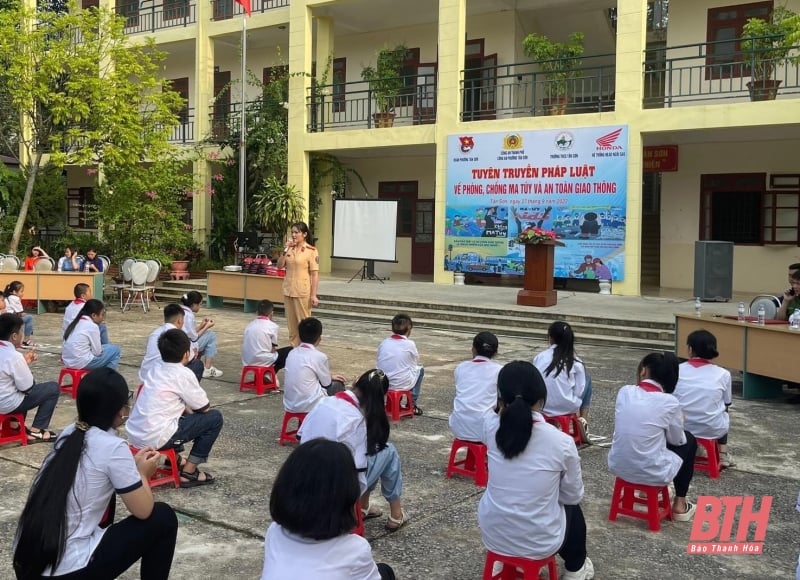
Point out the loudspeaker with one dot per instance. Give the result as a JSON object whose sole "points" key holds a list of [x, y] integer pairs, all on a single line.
{"points": [[713, 271]]}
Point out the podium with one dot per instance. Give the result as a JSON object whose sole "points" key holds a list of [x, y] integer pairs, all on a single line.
{"points": [[538, 282]]}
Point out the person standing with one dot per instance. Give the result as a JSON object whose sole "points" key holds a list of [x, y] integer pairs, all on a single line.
{"points": [[301, 261]]}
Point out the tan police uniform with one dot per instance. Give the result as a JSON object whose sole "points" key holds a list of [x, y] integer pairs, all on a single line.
{"points": [[297, 287]]}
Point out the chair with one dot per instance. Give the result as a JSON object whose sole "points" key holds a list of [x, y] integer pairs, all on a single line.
{"points": [[9, 264], [510, 567], [654, 498], [125, 270], [45, 264], [76, 375], [138, 287], [288, 436], [9, 435], [711, 462], [165, 474], [569, 424], [394, 407], [259, 383], [474, 463], [770, 304], [153, 268]]}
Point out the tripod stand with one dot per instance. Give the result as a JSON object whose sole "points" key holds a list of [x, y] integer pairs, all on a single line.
{"points": [[367, 271]]}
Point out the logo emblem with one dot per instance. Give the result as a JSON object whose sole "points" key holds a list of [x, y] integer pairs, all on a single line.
{"points": [[564, 141], [467, 143], [512, 141], [609, 139]]}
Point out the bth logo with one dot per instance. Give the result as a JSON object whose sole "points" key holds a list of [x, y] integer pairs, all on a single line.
{"points": [[713, 526]]}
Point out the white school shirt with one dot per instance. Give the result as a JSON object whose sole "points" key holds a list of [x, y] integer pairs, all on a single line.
{"points": [[476, 395], [565, 390], [345, 557], [16, 378], [703, 390], [305, 372], [522, 511], [168, 389], [399, 360], [339, 418], [14, 304], [106, 466], [259, 336], [152, 356], [71, 312], [644, 422], [82, 345], [190, 328]]}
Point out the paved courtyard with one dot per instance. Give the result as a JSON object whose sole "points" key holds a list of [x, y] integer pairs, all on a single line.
{"points": [[222, 526]]}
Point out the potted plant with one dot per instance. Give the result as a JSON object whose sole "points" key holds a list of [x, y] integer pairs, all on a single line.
{"points": [[276, 206], [766, 44], [386, 82], [559, 61]]}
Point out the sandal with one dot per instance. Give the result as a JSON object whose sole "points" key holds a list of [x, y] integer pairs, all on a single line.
{"points": [[417, 411], [583, 425], [392, 525], [370, 513], [181, 463], [193, 479], [45, 435]]}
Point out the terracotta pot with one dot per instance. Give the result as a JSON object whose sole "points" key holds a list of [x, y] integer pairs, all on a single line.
{"points": [[179, 266]]}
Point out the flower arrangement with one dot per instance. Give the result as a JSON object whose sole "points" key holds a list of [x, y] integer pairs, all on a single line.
{"points": [[536, 236]]}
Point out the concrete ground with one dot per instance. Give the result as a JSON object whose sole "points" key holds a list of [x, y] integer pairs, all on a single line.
{"points": [[222, 526]]}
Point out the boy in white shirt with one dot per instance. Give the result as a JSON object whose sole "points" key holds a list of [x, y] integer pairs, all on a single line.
{"points": [[173, 318], [307, 376], [172, 409], [260, 341], [82, 293], [399, 359]]}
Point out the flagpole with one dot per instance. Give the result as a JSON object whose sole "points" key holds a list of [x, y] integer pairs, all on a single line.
{"points": [[243, 127]]}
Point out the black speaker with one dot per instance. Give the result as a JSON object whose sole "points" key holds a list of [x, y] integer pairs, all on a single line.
{"points": [[713, 271]]}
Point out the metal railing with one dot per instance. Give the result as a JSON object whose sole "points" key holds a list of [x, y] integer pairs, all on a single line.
{"points": [[224, 9], [183, 132], [352, 105], [170, 14], [711, 71]]}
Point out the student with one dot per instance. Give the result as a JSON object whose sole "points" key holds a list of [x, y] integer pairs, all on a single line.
{"points": [[399, 359], [569, 388], [531, 505], [173, 409], [92, 262], [82, 293], [13, 294], [650, 446], [311, 505], [704, 392], [476, 388], [260, 341], [358, 418], [19, 393], [62, 530], [204, 341], [173, 318], [69, 261], [82, 347], [307, 376]]}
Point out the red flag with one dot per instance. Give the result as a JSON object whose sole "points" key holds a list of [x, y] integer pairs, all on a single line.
{"points": [[245, 4]]}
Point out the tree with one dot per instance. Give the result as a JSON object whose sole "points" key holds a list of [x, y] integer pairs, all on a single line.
{"points": [[86, 95]]}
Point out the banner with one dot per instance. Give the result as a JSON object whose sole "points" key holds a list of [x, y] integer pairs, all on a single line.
{"points": [[571, 182]]}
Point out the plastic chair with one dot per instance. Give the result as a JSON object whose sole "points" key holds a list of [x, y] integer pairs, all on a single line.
{"points": [[394, 406], [165, 474], [474, 463], [125, 270], [76, 375], [655, 500], [264, 379], [711, 462], [290, 436], [45, 264], [569, 424], [153, 268], [511, 566], [9, 435], [10, 263], [770, 304], [138, 287]]}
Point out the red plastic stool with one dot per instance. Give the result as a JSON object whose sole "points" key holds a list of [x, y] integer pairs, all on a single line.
{"points": [[75, 375], [710, 463], [474, 463], [288, 436], [569, 424], [655, 500], [9, 435], [511, 567], [164, 474], [260, 381], [359, 529], [394, 407]]}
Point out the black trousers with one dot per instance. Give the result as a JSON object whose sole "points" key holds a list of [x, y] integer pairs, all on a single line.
{"points": [[686, 452], [573, 550], [281, 361]]}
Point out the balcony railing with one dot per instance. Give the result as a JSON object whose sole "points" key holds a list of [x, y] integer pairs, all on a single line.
{"points": [[170, 14], [521, 90], [711, 71], [224, 9], [353, 105], [184, 131]]}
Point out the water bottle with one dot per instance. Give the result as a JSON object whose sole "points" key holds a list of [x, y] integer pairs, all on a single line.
{"points": [[741, 312], [794, 320], [762, 315], [698, 306]]}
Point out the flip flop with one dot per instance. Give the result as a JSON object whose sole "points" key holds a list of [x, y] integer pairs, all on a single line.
{"points": [[45, 435], [194, 479]]}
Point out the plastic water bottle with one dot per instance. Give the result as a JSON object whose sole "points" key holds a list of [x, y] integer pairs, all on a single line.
{"points": [[698, 306], [762, 315], [794, 320], [741, 312]]}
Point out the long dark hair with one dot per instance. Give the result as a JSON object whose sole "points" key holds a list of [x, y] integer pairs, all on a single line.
{"points": [[92, 306], [190, 298], [563, 338], [520, 386], [43, 527], [302, 227], [12, 287], [663, 367], [372, 387]]}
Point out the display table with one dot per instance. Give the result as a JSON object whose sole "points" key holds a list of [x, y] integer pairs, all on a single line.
{"points": [[766, 355], [248, 287], [42, 286], [538, 280]]}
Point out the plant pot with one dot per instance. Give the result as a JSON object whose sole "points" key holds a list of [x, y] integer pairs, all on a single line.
{"points": [[383, 120], [458, 278], [605, 287], [555, 105], [179, 266], [763, 90]]}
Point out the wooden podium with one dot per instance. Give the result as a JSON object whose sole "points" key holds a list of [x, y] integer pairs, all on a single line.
{"points": [[538, 283]]}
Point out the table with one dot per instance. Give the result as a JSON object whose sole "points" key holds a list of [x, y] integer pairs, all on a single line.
{"points": [[767, 355], [248, 287], [41, 286]]}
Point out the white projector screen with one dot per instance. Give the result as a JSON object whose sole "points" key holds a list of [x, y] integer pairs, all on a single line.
{"points": [[365, 229]]}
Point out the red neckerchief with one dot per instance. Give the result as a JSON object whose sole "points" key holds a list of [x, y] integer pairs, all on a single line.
{"points": [[343, 396], [398, 336], [479, 360], [698, 362], [89, 318], [79, 301], [304, 345], [650, 386], [263, 317]]}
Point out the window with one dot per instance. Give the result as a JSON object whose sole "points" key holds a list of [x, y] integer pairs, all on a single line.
{"points": [[79, 208], [405, 192], [724, 59], [781, 217], [175, 9], [339, 86], [409, 75]]}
